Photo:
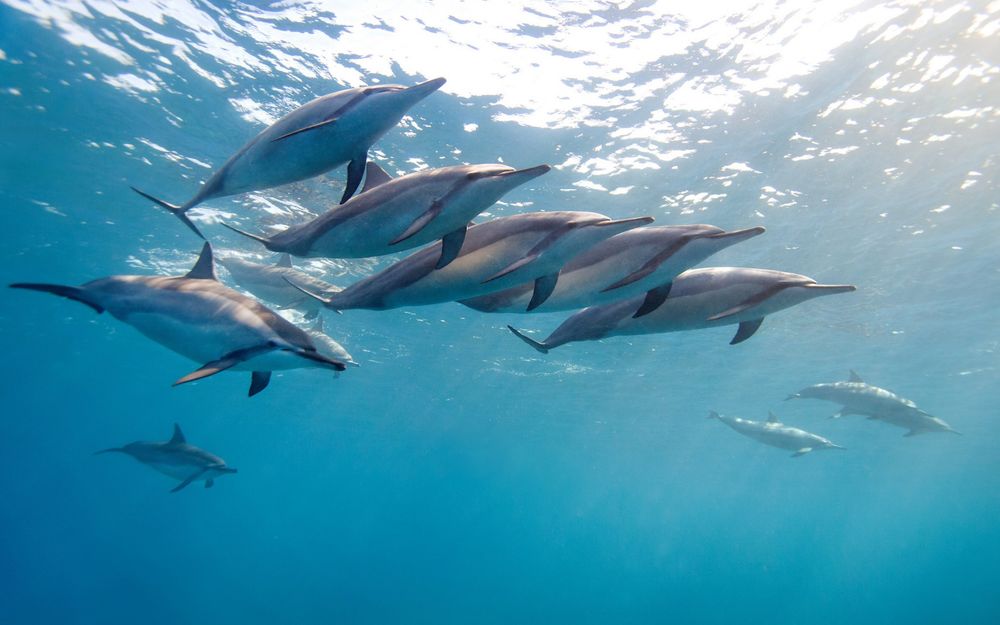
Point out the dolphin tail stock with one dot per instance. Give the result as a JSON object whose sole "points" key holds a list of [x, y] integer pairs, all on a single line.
{"points": [[793, 396], [713, 415], [110, 450], [540, 347], [179, 211], [74, 293], [266, 242]]}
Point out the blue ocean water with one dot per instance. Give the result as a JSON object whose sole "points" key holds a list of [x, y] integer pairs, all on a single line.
{"points": [[458, 476]]}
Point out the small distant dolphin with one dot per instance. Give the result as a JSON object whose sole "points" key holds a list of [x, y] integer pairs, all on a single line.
{"points": [[777, 434], [329, 347], [393, 215], [177, 459], [198, 317], [876, 403], [316, 137], [699, 298], [644, 260], [273, 283], [496, 255]]}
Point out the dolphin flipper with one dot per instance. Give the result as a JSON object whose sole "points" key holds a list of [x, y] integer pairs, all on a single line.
{"points": [[229, 360], [654, 299], [209, 483], [355, 172], [511, 268], [420, 222], [451, 245], [320, 124], [802, 452], [258, 382], [541, 347], [178, 211], [544, 286], [746, 330], [74, 293], [189, 479], [752, 301], [652, 265]]}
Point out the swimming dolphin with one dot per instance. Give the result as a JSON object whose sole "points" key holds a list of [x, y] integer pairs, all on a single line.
{"points": [[273, 283], [198, 317], [393, 215], [496, 255], [700, 298], [644, 260], [329, 347], [316, 137], [177, 459], [776, 434], [876, 403]]}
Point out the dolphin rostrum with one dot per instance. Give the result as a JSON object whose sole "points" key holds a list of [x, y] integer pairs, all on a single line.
{"points": [[495, 255], [178, 459], [776, 434], [198, 317], [644, 260], [273, 283], [395, 214], [858, 397], [699, 298], [318, 136]]}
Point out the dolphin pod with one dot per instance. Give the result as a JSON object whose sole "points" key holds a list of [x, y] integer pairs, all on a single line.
{"points": [[699, 298], [198, 317], [860, 398], [177, 459], [777, 434], [393, 215], [318, 136]]}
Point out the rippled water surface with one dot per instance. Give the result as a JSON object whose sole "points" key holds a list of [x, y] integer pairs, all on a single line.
{"points": [[457, 475]]}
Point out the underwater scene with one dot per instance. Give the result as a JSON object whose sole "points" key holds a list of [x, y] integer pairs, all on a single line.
{"points": [[524, 312]]}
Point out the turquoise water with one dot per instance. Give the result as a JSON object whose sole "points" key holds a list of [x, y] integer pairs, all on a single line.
{"points": [[457, 475]]}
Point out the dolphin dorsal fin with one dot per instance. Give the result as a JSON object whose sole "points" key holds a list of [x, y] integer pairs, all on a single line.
{"points": [[178, 437], [204, 269], [318, 326], [855, 377], [374, 176], [771, 417], [285, 260]]}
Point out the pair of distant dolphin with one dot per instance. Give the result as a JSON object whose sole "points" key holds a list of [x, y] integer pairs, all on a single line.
{"points": [[273, 283], [177, 459], [318, 136], [198, 317], [777, 434], [859, 398]]}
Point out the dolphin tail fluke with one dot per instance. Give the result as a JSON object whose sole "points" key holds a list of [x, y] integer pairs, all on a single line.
{"points": [[179, 211], [69, 292], [256, 237], [541, 347]]}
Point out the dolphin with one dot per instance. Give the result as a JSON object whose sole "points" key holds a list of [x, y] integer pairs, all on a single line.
{"points": [[198, 317], [327, 346], [644, 260], [273, 283], [700, 298], [395, 214], [318, 136], [776, 434], [495, 255], [858, 397], [178, 459]]}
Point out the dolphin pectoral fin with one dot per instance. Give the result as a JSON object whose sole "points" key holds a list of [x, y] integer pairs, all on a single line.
{"points": [[178, 211], [204, 268], [912, 433], [752, 301], [258, 382], [511, 268], [229, 360], [802, 452], [74, 293], [746, 330], [420, 222], [209, 483], [189, 479], [355, 172], [321, 124], [635, 276], [451, 246], [541, 347], [374, 176], [855, 377], [256, 237], [544, 286], [651, 265], [654, 299], [336, 365]]}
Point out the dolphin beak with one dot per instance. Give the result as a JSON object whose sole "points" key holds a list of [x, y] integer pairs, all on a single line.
{"points": [[529, 173], [735, 236], [622, 225], [832, 288], [424, 89]]}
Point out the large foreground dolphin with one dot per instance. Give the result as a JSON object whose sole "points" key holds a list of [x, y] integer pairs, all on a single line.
{"points": [[393, 215], [198, 317], [495, 255], [860, 398], [776, 434], [644, 260], [273, 283], [178, 459], [700, 298], [316, 137]]}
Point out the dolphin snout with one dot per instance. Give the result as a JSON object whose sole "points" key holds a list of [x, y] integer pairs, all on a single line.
{"points": [[735, 236], [426, 88], [529, 173]]}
